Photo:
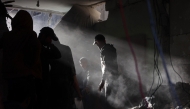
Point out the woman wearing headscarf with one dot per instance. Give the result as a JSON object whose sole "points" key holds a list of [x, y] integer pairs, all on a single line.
{"points": [[21, 60]]}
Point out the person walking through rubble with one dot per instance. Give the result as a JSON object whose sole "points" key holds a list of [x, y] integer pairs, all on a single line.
{"points": [[108, 57]]}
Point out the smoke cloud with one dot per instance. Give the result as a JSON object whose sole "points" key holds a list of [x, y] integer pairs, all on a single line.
{"points": [[126, 87]]}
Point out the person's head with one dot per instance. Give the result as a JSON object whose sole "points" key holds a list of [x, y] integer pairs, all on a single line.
{"points": [[84, 63], [22, 20], [99, 40], [46, 36]]}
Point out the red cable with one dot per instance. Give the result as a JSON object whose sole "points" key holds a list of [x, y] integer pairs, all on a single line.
{"points": [[131, 48]]}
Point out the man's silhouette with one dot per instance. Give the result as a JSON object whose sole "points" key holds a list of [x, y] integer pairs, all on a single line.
{"points": [[21, 60], [63, 80], [48, 52]]}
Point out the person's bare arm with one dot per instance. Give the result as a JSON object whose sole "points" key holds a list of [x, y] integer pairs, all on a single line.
{"points": [[101, 85]]}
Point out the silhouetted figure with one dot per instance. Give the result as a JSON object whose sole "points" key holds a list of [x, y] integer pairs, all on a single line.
{"points": [[83, 77], [63, 80], [108, 63], [3, 28], [21, 61], [87, 80], [49, 52], [108, 56]]}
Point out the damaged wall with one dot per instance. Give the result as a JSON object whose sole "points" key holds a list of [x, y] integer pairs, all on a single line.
{"points": [[84, 16], [180, 31], [139, 30], [138, 25], [101, 8]]}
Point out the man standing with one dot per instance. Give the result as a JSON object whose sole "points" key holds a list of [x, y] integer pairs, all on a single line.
{"points": [[48, 52], [63, 80], [84, 75], [87, 81], [108, 63]]}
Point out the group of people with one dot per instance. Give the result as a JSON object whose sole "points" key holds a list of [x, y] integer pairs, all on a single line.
{"points": [[39, 72]]}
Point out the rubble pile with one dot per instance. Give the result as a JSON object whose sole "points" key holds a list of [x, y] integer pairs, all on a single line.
{"points": [[183, 91], [163, 99]]}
